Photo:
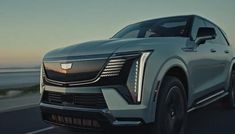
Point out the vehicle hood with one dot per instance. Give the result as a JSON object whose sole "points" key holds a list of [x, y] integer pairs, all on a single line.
{"points": [[109, 46]]}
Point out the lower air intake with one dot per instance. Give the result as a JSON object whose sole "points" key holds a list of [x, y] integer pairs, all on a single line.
{"points": [[81, 100]]}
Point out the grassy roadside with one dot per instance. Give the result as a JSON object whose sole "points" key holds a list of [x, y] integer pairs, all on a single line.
{"points": [[12, 92]]}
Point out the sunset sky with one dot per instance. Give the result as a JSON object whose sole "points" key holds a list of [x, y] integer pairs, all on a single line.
{"points": [[30, 28]]}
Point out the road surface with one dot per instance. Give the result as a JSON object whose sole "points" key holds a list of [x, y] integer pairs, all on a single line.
{"points": [[214, 119]]}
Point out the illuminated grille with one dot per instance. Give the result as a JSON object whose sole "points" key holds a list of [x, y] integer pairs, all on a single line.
{"points": [[79, 122], [82, 121], [81, 71], [113, 67]]}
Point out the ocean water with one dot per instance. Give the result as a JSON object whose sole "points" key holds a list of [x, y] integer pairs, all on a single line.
{"points": [[18, 78]]}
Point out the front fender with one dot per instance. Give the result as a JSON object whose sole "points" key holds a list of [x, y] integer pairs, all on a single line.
{"points": [[168, 64], [229, 74]]}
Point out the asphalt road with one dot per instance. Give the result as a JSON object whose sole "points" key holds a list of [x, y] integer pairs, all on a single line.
{"points": [[214, 119]]}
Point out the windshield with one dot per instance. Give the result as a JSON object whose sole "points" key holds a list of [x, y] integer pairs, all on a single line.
{"points": [[166, 27]]}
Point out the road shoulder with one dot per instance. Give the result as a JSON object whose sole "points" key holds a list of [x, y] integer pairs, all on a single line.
{"points": [[21, 102]]}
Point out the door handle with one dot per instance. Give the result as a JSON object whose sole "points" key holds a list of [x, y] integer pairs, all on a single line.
{"points": [[213, 50], [226, 51]]}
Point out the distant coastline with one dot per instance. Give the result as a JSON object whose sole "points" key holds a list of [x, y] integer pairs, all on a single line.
{"points": [[18, 70], [19, 77], [22, 67]]}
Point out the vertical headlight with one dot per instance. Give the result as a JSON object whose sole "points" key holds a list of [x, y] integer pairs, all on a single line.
{"points": [[42, 74], [140, 73], [136, 77]]}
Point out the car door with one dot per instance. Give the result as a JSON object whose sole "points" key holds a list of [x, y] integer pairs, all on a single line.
{"points": [[204, 64], [223, 56]]}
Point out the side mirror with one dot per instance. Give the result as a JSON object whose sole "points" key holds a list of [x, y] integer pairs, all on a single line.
{"points": [[205, 33]]}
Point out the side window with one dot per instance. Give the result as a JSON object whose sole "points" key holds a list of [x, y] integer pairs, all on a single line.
{"points": [[166, 28], [149, 33], [197, 23], [220, 39], [132, 34]]}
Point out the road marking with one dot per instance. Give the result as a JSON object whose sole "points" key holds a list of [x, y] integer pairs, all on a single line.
{"points": [[41, 130]]}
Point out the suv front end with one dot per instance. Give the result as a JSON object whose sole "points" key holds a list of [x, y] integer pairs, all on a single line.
{"points": [[94, 92]]}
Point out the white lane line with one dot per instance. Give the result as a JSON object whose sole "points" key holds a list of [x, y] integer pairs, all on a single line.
{"points": [[41, 130]]}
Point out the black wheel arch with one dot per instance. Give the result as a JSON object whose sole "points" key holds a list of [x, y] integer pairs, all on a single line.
{"points": [[179, 73]]}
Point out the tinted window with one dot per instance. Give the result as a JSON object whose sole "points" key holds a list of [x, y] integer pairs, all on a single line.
{"points": [[197, 23], [166, 27], [132, 34], [220, 39]]}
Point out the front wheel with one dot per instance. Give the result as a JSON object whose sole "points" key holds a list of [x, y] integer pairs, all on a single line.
{"points": [[171, 107], [231, 97]]}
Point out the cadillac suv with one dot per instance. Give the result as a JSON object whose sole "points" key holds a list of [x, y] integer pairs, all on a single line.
{"points": [[152, 72]]}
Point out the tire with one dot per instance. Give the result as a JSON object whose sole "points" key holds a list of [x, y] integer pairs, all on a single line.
{"points": [[231, 96], [171, 112]]}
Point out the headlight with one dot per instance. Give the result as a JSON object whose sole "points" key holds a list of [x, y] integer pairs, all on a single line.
{"points": [[127, 70], [140, 73], [42, 74], [136, 77]]}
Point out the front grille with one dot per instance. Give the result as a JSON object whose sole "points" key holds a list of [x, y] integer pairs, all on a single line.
{"points": [[80, 71], [113, 71], [81, 100]]}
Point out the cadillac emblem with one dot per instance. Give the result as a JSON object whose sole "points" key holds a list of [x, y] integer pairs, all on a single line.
{"points": [[66, 66]]}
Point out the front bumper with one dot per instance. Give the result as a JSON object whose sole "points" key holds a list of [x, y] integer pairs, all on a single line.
{"points": [[118, 111], [84, 118]]}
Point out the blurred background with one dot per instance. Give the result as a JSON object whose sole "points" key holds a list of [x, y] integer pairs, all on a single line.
{"points": [[29, 29]]}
